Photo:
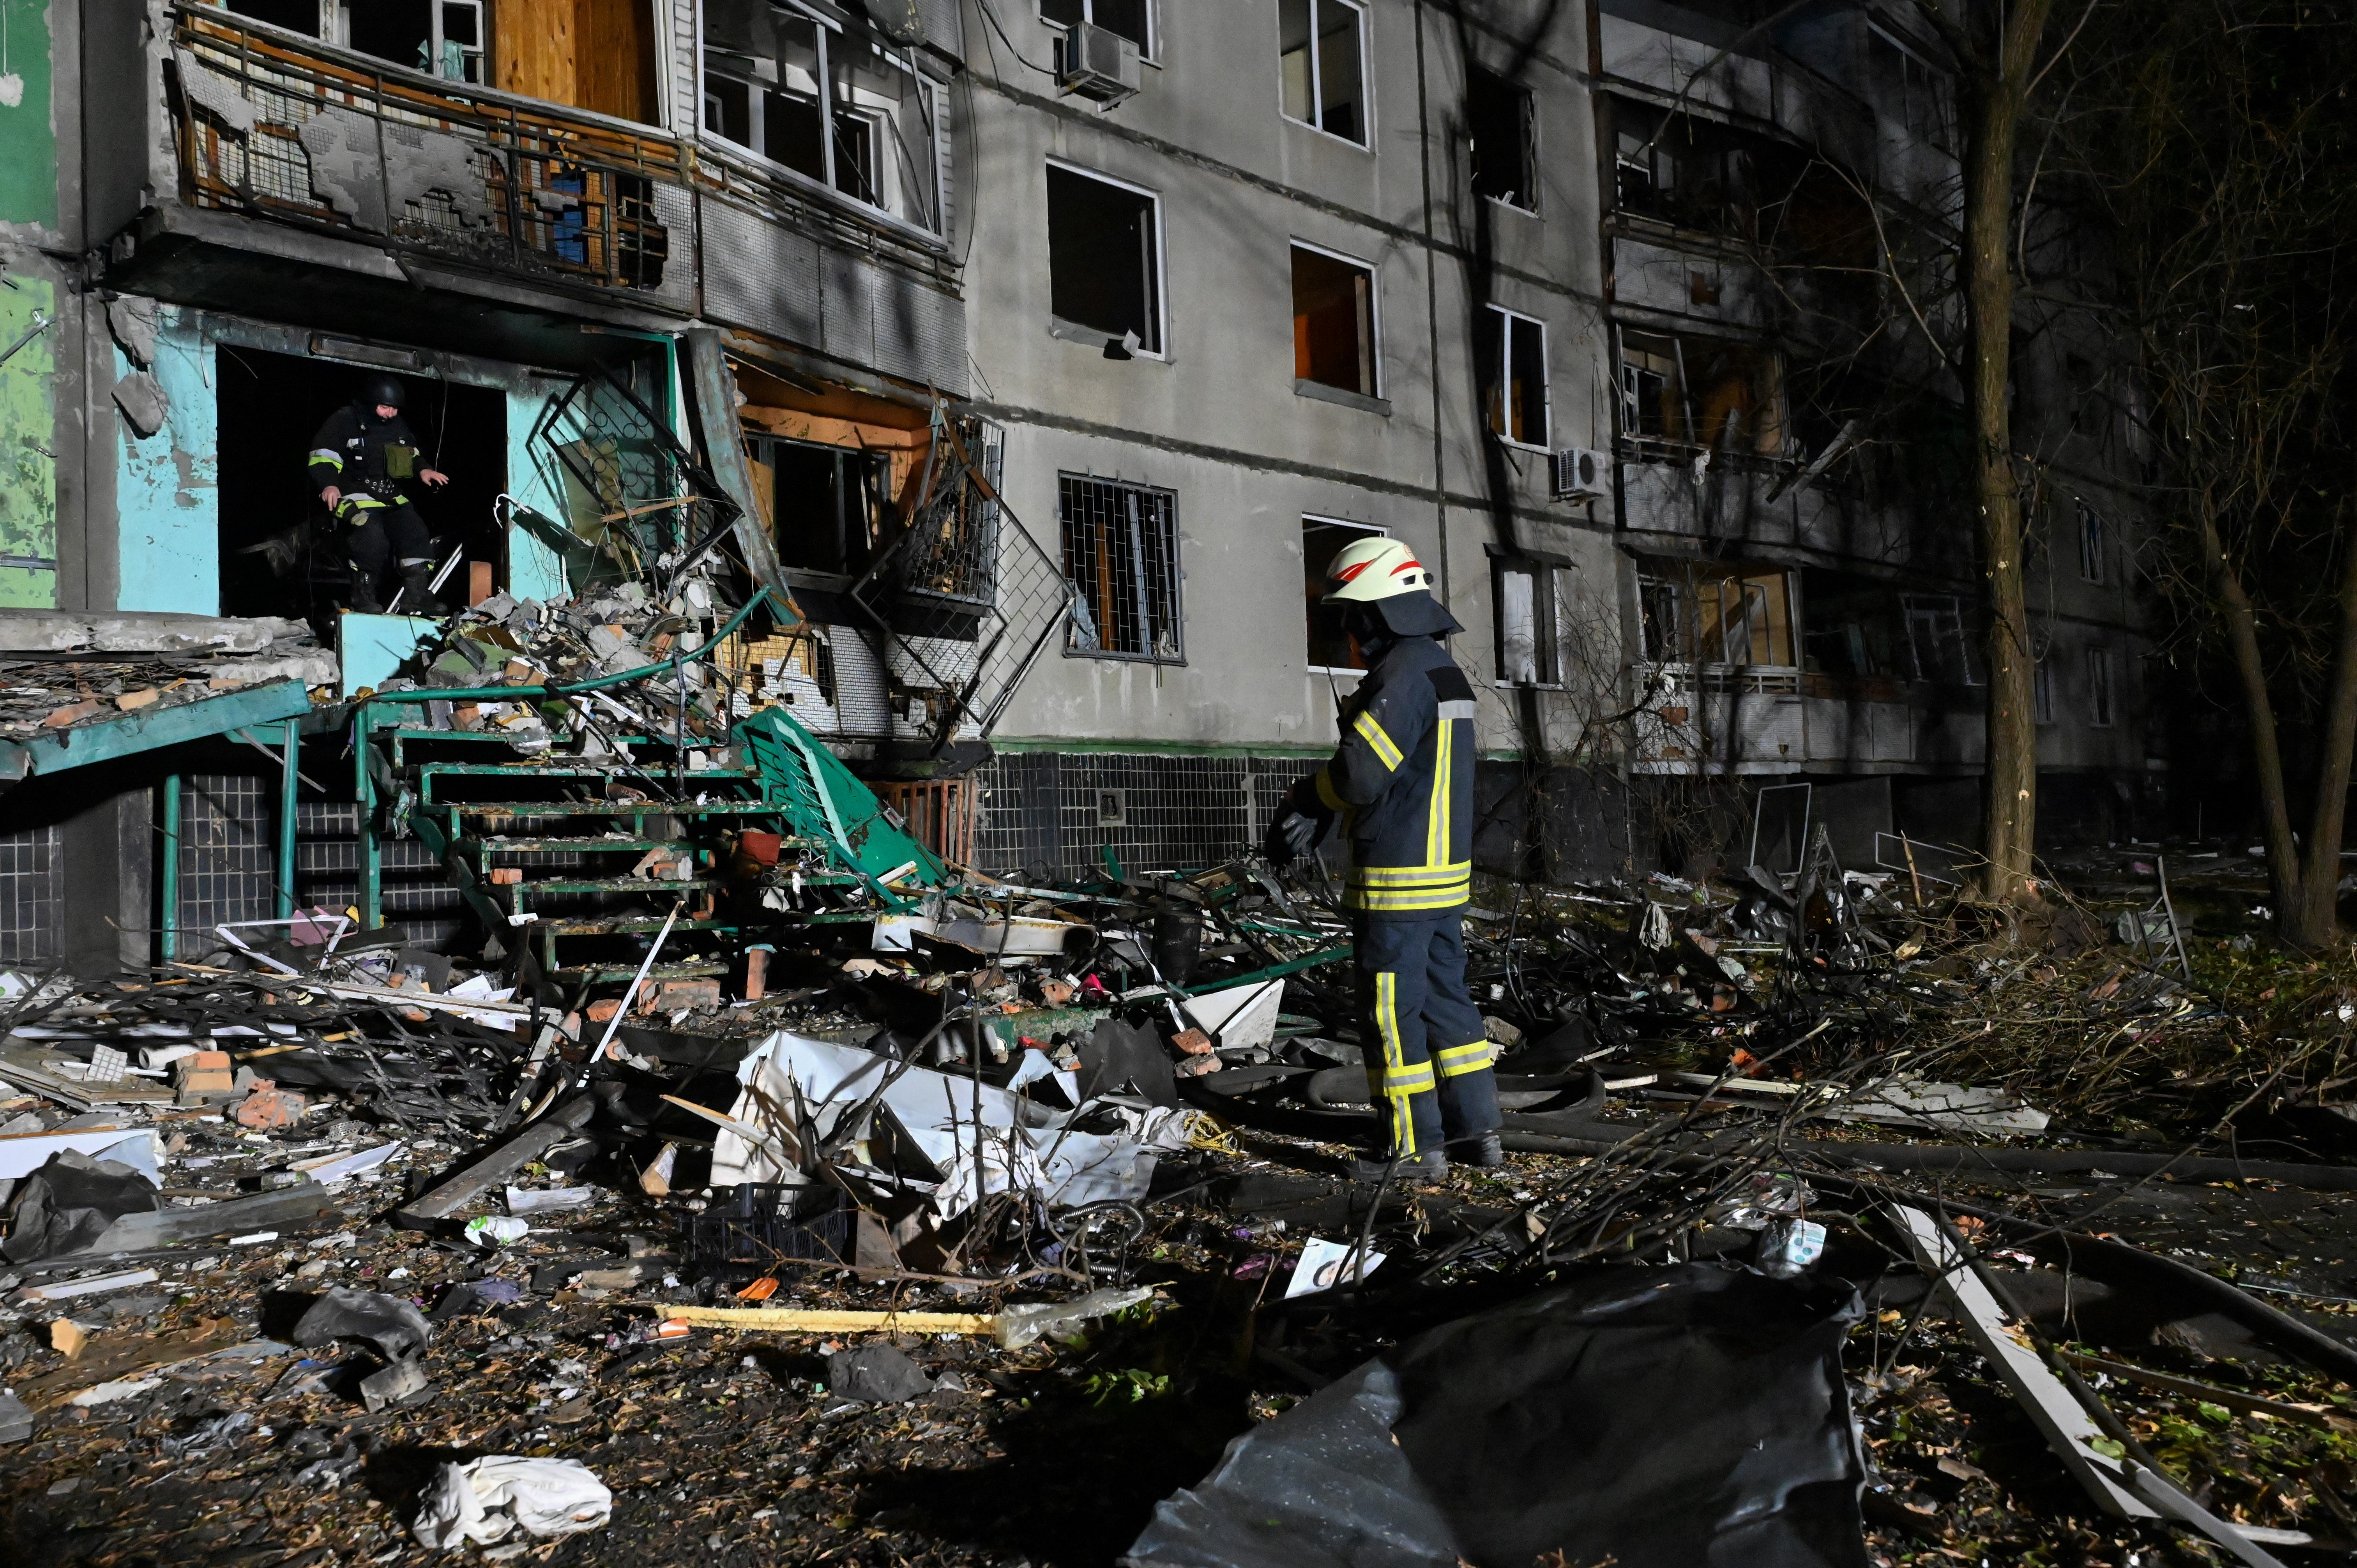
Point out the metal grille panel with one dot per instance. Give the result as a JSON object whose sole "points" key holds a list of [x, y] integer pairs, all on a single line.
{"points": [[1052, 816], [32, 895], [226, 850], [1121, 551]]}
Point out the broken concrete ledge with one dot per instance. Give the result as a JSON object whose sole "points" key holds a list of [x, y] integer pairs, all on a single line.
{"points": [[68, 631]]}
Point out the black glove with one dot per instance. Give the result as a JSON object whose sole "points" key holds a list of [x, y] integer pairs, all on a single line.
{"points": [[1295, 834]]}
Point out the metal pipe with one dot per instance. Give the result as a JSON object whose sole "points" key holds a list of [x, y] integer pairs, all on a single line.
{"points": [[289, 777], [171, 899]]}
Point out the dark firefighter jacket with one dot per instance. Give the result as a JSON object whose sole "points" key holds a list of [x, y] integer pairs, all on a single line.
{"points": [[368, 459], [1401, 781]]}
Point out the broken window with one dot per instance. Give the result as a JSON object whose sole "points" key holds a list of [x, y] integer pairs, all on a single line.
{"points": [[1510, 354], [1701, 392], [1662, 610], [1121, 551], [1322, 54], [1914, 92], [1333, 321], [1744, 620], [826, 506], [1321, 539], [295, 15], [2091, 544], [591, 54], [839, 108], [1497, 119], [1131, 19], [2042, 693], [2099, 688], [1531, 603], [1936, 642], [1104, 256]]}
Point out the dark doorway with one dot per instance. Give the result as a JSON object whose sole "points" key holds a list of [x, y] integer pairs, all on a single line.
{"points": [[295, 15], [281, 554]]}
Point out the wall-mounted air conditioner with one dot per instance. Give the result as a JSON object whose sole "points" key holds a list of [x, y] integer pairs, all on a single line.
{"points": [[1579, 473], [1097, 64]]}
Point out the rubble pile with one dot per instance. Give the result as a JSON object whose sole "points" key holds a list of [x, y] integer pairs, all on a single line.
{"points": [[747, 1181]]}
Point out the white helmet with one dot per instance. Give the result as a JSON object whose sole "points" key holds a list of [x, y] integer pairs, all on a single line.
{"points": [[1377, 568]]}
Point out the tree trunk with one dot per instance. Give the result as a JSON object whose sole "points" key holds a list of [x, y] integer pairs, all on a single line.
{"points": [[1995, 94], [2266, 754], [2311, 919]]}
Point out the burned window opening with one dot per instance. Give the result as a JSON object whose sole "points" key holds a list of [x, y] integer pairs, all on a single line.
{"points": [[1693, 615], [1499, 120], [1532, 600], [1334, 322], [1937, 644], [827, 506], [1688, 391], [1103, 257]]}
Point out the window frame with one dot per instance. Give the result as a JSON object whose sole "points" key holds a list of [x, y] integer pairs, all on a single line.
{"points": [[2102, 688], [2094, 543], [1504, 379], [1177, 598], [1928, 610], [1148, 49], [932, 104], [2041, 692], [1530, 135], [1366, 530], [1375, 319], [1080, 331], [1547, 596], [1944, 138], [1366, 16]]}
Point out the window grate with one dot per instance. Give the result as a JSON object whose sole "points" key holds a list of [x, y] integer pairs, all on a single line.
{"points": [[227, 850], [32, 894], [1121, 551]]}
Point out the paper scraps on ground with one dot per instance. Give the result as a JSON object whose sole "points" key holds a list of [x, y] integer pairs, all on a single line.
{"points": [[1325, 1265]]}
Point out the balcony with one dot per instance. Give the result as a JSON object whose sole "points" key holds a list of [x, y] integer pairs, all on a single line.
{"points": [[273, 125]]}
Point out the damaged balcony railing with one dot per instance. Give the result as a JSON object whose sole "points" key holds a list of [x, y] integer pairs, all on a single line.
{"points": [[287, 128], [966, 596]]}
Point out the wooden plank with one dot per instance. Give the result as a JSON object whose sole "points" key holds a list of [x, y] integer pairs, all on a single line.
{"points": [[498, 1166]]}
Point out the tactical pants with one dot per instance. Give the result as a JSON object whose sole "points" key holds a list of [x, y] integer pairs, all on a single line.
{"points": [[1428, 1060], [387, 533]]}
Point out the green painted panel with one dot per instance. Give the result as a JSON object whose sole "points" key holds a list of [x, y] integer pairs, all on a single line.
{"points": [[28, 142], [29, 432]]}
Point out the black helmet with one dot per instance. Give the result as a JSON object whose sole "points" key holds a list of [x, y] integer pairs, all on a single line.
{"points": [[381, 389]]}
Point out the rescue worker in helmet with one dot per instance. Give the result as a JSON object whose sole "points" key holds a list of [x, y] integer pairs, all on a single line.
{"points": [[1400, 784], [362, 462]]}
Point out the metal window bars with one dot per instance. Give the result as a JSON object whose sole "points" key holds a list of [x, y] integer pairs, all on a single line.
{"points": [[1121, 555], [964, 597]]}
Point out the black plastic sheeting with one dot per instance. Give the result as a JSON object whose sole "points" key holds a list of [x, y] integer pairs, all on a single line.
{"points": [[68, 1204], [1653, 1417]]}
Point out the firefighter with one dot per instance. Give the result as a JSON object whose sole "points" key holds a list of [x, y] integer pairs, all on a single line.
{"points": [[361, 462], [1402, 785]]}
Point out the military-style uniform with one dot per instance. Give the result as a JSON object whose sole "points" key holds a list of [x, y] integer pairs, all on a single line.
{"points": [[371, 459], [1402, 783]]}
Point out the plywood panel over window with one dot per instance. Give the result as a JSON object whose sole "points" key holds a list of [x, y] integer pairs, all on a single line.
{"points": [[597, 55]]}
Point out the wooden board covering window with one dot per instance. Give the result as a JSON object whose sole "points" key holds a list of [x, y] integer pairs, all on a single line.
{"points": [[597, 55]]}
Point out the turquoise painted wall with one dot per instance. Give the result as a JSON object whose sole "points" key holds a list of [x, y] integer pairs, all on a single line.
{"points": [[537, 481], [166, 486]]}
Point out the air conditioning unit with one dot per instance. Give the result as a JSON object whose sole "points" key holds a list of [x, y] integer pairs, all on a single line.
{"points": [[1580, 474], [1097, 64]]}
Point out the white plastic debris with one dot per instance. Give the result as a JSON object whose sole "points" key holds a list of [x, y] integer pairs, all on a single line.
{"points": [[1020, 1326], [107, 1394], [487, 1500], [549, 1200], [491, 1229]]}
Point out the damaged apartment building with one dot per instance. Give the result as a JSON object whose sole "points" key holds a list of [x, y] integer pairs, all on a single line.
{"points": [[1035, 356], [1583, 302]]}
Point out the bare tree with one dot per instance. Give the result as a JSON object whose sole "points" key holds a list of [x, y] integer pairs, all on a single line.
{"points": [[1997, 47], [2222, 146]]}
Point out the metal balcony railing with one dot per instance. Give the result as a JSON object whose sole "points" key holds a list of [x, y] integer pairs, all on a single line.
{"points": [[284, 127]]}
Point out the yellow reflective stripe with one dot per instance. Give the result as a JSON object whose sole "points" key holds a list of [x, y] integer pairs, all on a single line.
{"points": [[1460, 1059], [1401, 903], [365, 503], [325, 456], [1332, 801], [1436, 821], [1394, 1061], [1407, 1081], [1410, 876], [1372, 734]]}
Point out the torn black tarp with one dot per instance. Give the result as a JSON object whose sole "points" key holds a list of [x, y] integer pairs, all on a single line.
{"points": [[68, 1204], [1651, 1417]]}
